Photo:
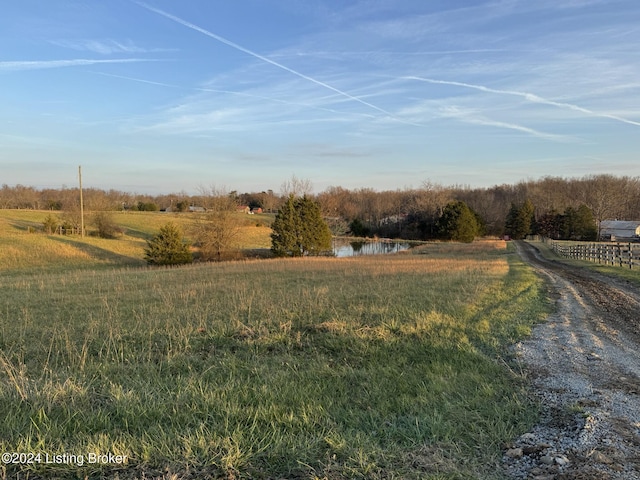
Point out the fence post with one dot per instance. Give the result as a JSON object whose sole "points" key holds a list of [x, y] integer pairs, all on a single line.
{"points": [[619, 253]]}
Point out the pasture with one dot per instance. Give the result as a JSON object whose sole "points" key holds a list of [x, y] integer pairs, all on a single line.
{"points": [[23, 246], [369, 367]]}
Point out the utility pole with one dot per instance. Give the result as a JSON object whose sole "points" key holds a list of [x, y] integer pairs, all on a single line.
{"points": [[81, 202]]}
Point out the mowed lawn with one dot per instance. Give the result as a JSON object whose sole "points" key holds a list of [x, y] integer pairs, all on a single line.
{"points": [[368, 367]]}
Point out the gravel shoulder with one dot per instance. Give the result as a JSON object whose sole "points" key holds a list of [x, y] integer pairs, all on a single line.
{"points": [[584, 367]]}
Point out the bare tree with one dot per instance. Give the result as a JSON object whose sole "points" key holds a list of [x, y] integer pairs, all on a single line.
{"points": [[605, 195], [270, 201], [297, 187], [71, 218], [216, 230]]}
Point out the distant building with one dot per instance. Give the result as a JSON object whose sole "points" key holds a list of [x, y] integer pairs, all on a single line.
{"points": [[398, 218], [243, 209], [196, 209], [256, 210], [620, 230]]}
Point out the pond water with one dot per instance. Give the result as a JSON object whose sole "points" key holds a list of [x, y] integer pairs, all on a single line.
{"points": [[346, 248]]}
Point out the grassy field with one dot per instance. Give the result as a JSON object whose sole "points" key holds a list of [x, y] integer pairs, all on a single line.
{"points": [[389, 367], [23, 246]]}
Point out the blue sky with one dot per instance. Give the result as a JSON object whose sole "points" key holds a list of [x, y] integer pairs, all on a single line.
{"points": [[163, 96]]}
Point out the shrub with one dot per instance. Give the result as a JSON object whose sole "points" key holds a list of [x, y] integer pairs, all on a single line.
{"points": [[107, 227], [50, 224], [147, 207], [359, 229], [168, 247], [182, 206]]}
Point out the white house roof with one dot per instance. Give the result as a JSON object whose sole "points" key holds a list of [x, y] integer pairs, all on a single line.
{"points": [[620, 228]]}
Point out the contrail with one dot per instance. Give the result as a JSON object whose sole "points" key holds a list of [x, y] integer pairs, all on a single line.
{"points": [[140, 80], [513, 126], [40, 64], [278, 100], [229, 92], [465, 117], [263, 58], [528, 96], [330, 53]]}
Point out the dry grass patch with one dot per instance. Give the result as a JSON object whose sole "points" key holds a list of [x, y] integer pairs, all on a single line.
{"points": [[414, 264], [24, 246], [254, 237], [478, 247]]}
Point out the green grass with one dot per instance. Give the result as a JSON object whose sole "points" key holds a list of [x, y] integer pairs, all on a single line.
{"points": [[369, 367]]}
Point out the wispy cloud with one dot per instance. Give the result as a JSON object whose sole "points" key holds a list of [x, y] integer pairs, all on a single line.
{"points": [[531, 97], [78, 62], [265, 59], [246, 95]]}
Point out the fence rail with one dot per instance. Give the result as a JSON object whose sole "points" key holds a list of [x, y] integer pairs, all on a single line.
{"points": [[607, 253]]}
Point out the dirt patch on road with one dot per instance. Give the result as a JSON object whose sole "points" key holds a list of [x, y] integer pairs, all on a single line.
{"points": [[584, 366]]}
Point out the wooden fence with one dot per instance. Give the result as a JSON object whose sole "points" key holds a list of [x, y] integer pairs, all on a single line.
{"points": [[607, 253], [67, 231]]}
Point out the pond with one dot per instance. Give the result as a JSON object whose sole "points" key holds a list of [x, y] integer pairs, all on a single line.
{"points": [[346, 248]]}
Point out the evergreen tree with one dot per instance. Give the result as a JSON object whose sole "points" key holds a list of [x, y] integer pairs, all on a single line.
{"points": [[510, 223], [579, 224], [299, 229], [550, 225], [520, 221], [167, 247], [586, 224], [526, 217], [458, 223], [285, 227], [568, 227], [315, 233], [358, 228], [482, 225]]}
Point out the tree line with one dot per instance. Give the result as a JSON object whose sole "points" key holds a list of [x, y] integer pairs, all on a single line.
{"points": [[557, 207], [415, 213]]}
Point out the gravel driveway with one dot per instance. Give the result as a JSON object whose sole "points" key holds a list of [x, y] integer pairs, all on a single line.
{"points": [[584, 367]]}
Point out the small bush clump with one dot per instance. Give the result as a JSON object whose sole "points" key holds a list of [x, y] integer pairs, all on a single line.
{"points": [[50, 224], [168, 247], [107, 227]]}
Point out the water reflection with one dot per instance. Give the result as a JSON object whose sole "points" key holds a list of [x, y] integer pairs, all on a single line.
{"points": [[346, 248]]}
